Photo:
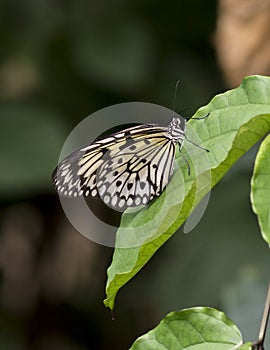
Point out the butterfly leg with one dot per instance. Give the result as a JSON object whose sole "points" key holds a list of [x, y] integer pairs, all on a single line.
{"points": [[195, 144], [187, 163], [184, 157]]}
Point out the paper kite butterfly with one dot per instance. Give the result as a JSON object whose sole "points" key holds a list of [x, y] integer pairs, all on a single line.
{"points": [[126, 169]]}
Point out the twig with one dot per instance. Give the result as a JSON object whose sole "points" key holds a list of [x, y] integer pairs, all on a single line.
{"points": [[262, 333]]}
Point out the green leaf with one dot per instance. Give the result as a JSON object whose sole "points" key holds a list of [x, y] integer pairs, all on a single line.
{"points": [[260, 188], [200, 328], [238, 119], [246, 346]]}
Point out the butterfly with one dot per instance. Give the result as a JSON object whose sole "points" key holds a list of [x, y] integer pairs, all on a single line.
{"points": [[125, 169]]}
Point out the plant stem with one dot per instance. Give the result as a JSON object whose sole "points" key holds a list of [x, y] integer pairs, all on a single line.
{"points": [[265, 318]]}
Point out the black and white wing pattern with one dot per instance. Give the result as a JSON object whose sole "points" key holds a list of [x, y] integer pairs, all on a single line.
{"points": [[126, 169]]}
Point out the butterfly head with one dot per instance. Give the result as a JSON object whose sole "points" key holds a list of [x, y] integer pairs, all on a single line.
{"points": [[176, 130]]}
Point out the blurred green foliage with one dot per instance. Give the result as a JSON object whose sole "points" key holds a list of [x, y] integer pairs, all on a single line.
{"points": [[59, 62], [69, 59]]}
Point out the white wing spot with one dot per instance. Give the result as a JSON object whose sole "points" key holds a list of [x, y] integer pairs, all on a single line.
{"points": [[114, 201], [102, 190], [129, 202], [121, 203], [144, 200], [106, 199], [138, 201], [99, 183]]}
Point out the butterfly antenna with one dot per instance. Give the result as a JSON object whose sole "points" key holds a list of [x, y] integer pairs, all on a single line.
{"points": [[175, 94], [200, 118]]}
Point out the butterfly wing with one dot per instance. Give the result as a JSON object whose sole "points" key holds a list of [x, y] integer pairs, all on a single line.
{"points": [[76, 174], [137, 173], [128, 168]]}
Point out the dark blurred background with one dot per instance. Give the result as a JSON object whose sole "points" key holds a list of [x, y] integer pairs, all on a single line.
{"points": [[60, 61]]}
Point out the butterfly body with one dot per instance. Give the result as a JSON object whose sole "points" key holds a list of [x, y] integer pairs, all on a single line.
{"points": [[126, 169]]}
